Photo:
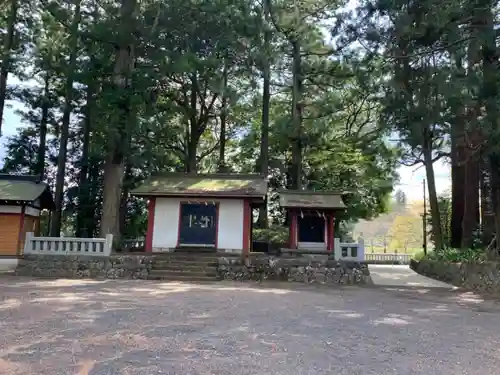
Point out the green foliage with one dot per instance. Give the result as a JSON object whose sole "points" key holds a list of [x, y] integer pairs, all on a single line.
{"points": [[169, 115], [275, 234], [419, 255], [444, 203], [458, 255]]}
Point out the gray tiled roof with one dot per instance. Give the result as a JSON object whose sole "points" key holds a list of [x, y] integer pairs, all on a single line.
{"points": [[184, 184]]}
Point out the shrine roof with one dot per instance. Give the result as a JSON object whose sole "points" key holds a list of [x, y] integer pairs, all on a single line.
{"points": [[311, 199], [195, 185], [18, 189]]}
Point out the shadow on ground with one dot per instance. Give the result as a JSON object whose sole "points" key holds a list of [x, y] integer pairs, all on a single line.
{"points": [[146, 327]]}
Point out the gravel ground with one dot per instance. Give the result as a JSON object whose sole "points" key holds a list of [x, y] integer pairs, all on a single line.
{"points": [[146, 327]]}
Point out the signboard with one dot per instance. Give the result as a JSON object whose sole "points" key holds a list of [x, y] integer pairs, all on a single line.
{"points": [[198, 224]]}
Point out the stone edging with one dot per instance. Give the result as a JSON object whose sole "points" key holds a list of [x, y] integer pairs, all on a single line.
{"points": [[295, 269], [479, 277], [85, 266], [257, 267]]}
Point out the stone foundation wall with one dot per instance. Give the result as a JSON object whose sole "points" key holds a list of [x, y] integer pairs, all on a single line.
{"points": [[257, 267], [480, 277], [296, 269], [86, 266]]}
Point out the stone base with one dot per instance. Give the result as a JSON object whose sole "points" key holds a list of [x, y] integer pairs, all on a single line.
{"points": [[8, 264], [85, 266], [230, 251], [162, 249], [479, 277], [230, 266], [304, 270]]}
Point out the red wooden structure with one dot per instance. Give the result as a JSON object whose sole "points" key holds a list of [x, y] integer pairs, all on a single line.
{"points": [[311, 218]]}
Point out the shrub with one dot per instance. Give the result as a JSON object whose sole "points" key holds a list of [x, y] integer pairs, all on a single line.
{"points": [[452, 255], [461, 255], [419, 255], [274, 234]]}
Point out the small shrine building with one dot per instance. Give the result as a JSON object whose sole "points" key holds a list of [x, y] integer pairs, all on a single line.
{"points": [[311, 218]]}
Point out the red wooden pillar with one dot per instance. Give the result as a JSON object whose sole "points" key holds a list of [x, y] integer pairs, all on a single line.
{"points": [[292, 237], [330, 233], [247, 226], [21, 235], [151, 224]]}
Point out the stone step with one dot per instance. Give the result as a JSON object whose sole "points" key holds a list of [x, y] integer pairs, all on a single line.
{"points": [[185, 267], [198, 250], [182, 276], [189, 252], [187, 257], [183, 263], [184, 272]]}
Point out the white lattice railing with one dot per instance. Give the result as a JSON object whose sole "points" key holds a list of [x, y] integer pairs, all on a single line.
{"points": [[133, 244], [388, 257], [68, 245], [349, 250]]}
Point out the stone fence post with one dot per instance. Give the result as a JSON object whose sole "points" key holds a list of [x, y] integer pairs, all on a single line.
{"points": [[361, 249], [337, 251], [28, 246], [108, 245]]}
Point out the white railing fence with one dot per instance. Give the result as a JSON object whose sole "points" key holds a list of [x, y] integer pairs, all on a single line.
{"points": [[388, 257], [349, 250], [68, 245], [133, 244]]}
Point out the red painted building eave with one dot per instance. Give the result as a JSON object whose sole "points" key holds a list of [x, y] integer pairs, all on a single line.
{"points": [[247, 226], [151, 219], [330, 233], [217, 211], [21, 229], [292, 236]]}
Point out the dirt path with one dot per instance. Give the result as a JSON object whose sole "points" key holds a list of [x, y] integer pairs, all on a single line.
{"points": [[404, 276], [145, 327]]}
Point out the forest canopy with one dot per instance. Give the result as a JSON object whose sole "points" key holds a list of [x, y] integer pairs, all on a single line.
{"points": [[307, 93]]}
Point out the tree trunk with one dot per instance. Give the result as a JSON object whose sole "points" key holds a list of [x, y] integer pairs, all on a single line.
{"points": [[193, 135], [296, 167], [471, 201], [124, 198], [495, 192], [457, 183], [487, 38], [487, 210], [7, 47], [55, 229], [470, 143], [433, 198], [223, 118], [114, 170], [93, 212], [83, 188], [42, 145], [191, 162], [458, 158], [85, 213], [263, 221], [114, 164]]}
